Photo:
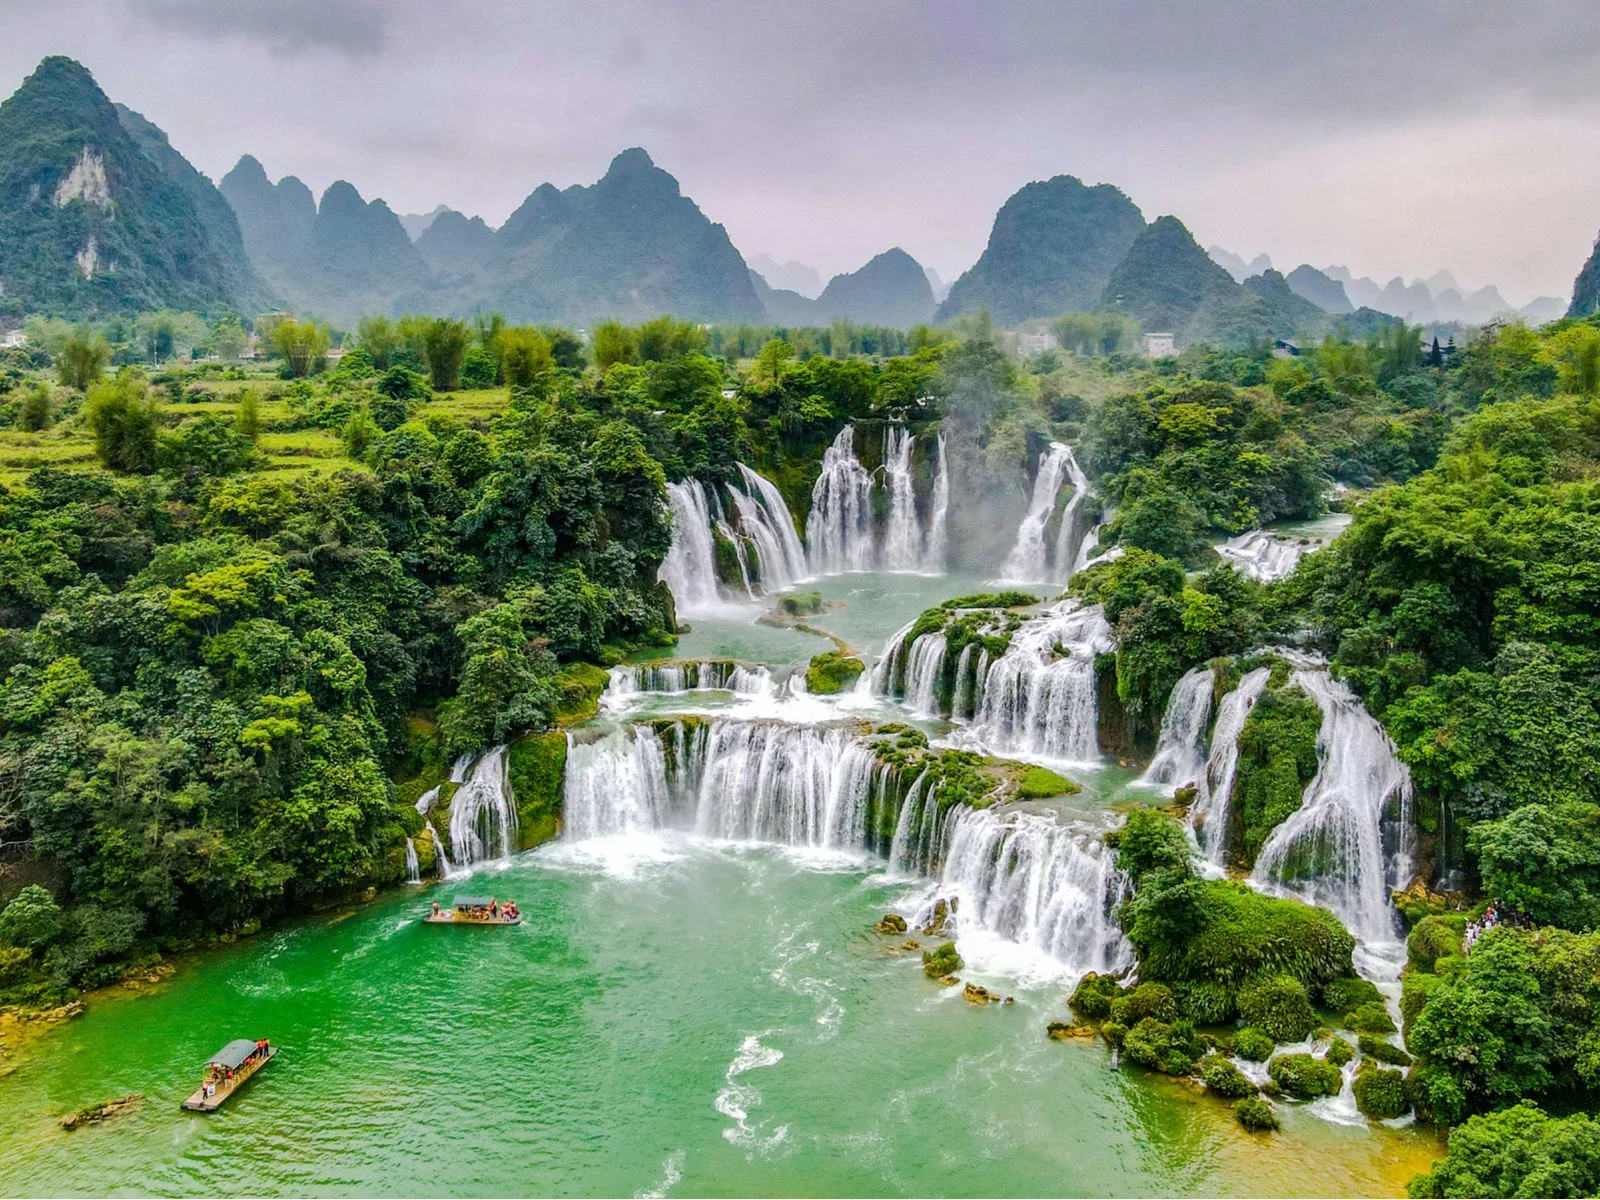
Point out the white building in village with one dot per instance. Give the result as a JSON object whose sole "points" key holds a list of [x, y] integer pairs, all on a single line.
{"points": [[1158, 345]]}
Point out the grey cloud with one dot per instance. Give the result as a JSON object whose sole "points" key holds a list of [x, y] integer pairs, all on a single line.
{"points": [[285, 27]]}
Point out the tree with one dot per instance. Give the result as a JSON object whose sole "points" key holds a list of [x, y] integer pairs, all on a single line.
{"points": [[301, 344], [613, 343], [33, 411], [82, 359], [123, 418], [380, 338], [227, 337], [524, 355], [770, 362], [1518, 1151], [444, 345], [1544, 861], [32, 919], [248, 419]]}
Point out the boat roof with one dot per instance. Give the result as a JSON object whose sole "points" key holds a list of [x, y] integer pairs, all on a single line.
{"points": [[474, 901], [233, 1054]]}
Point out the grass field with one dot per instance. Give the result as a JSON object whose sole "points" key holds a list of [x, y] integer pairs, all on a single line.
{"points": [[291, 453]]}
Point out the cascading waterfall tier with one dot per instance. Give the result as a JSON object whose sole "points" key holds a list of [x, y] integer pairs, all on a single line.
{"points": [[680, 677], [1180, 758], [1024, 875], [841, 533], [1039, 882], [483, 811], [753, 521], [921, 673], [1208, 815], [1036, 557], [1265, 556], [1351, 842], [742, 780], [1039, 697]]}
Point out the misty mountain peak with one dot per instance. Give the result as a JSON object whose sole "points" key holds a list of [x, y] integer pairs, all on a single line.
{"points": [[633, 159]]}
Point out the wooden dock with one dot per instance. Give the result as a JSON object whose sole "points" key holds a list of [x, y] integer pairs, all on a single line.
{"points": [[200, 1102]]}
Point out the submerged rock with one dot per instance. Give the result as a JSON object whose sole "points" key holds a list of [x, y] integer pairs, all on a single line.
{"points": [[1069, 1031], [891, 923], [103, 1111]]}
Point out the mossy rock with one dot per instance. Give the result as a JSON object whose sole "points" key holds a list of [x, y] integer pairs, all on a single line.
{"points": [[1252, 1045], [1171, 1049], [1038, 783], [579, 685], [1381, 1094], [1370, 1018], [1305, 1077], [1345, 995], [1277, 759], [1148, 1000], [1008, 599], [536, 767], [1339, 1052], [427, 855], [833, 672], [1279, 1008], [801, 604], [1092, 998], [1378, 1050], [1415, 988], [1223, 1078], [1434, 938], [1256, 1115], [942, 962]]}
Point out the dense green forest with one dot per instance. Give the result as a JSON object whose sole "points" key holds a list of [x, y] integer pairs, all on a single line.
{"points": [[217, 664]]}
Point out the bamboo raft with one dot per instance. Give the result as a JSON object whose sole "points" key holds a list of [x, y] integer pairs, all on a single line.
{"points": [[244, 1058], [470, 910]]}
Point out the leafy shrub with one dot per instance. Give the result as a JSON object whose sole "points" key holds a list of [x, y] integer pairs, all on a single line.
{"points": [[1517, 1151], [1305, 1077], [1150, 841], [1222, 1077], [1171, 1049], [1381, 1094], [1432, 939], [1008, 599], [1205, 1002], [1092, 998], [1278, 1007], [1256, 1115], [1277, 759], [1146, 1000], [1252, 1045], [1346, 995], [943, 961], [800, 604]]}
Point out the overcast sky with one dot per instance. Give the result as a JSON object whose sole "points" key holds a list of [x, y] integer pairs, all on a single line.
{"points": [[1392, 138]]}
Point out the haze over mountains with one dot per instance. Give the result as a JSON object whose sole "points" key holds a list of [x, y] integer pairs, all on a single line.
{"points": [[102, 214]]}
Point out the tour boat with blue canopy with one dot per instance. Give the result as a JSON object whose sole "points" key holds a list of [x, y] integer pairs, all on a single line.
{"points": [[475, 910], [227, 1070]]}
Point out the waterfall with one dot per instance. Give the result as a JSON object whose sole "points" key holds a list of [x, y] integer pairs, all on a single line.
{"points": [[413, 870], [1037, 882], [961, 703], [839, 529], [630, 681], [933, 547], [690, 567], [1039, 697], [922, 674], [426, 800], [1209, 813], [1033, 558], [1028, 560], [841, 534], [1264, 556], [446, 868], [1181, 748], [765, 518], [1331, 851], [742, 780], [483, 812], [902, 535]]}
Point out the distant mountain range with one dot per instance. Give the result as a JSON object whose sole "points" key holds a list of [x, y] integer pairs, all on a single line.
{"points": [[1439, 298], [99, 214]]}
